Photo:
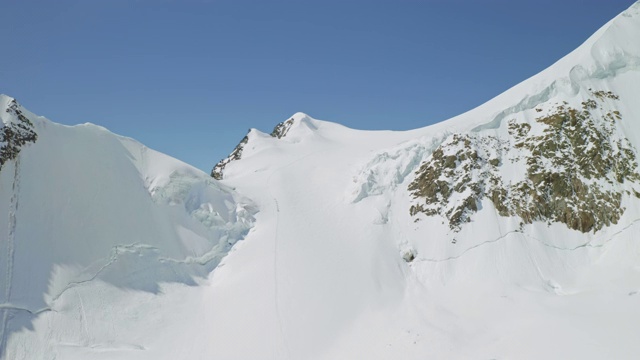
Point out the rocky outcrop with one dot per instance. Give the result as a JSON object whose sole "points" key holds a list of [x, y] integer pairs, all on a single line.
{"points": [[282, 129], [15, 134], [279, 132], [570, 166], [236, 154]]}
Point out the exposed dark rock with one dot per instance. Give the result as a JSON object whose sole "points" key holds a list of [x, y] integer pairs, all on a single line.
{"points": [[409, 256], [569, 169], [282, 129], [15, 134], [236, 154], [279, 132]]}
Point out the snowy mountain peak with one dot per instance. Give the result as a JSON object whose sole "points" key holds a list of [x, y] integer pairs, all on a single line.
{"points": [[468, 239], [300, 117], [5, 100], [300, 124], [16, 131], [8, 107], [294, 129]]}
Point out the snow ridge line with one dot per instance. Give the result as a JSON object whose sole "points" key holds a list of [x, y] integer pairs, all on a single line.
{"points": [[13, 208]]}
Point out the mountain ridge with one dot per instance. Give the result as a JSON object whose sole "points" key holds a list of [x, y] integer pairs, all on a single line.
{"points": [[308, 246]]}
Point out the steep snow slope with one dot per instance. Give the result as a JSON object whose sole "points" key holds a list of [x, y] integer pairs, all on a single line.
{"points": [[498, 286], [113, 250], [84, 208]]}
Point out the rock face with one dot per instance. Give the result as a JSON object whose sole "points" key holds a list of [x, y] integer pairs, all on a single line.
{"points": [[282, 129], [279, 132], [15, 134], [236, 154], [572, 167]]}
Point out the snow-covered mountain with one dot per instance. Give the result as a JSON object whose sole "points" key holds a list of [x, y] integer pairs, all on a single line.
{"points": [[90, 217], [506, 232]]}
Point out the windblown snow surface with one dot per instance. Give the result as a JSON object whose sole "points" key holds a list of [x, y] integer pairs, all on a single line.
{"points": [[114, 251]]}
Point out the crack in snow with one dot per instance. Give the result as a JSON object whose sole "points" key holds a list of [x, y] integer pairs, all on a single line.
{"points": [[468, 249], [527, 103], [112, 259], [587, 244], [386, 170], [10, 307], [103, 347]]}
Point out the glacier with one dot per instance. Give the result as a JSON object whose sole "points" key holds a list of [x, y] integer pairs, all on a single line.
{"points": [[304, 246]]}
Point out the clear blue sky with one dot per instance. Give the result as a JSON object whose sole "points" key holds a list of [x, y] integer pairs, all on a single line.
{"points": [[190, 77]]}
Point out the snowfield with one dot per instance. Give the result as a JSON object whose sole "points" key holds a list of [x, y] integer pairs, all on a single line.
{"points": [[306, 249]]}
